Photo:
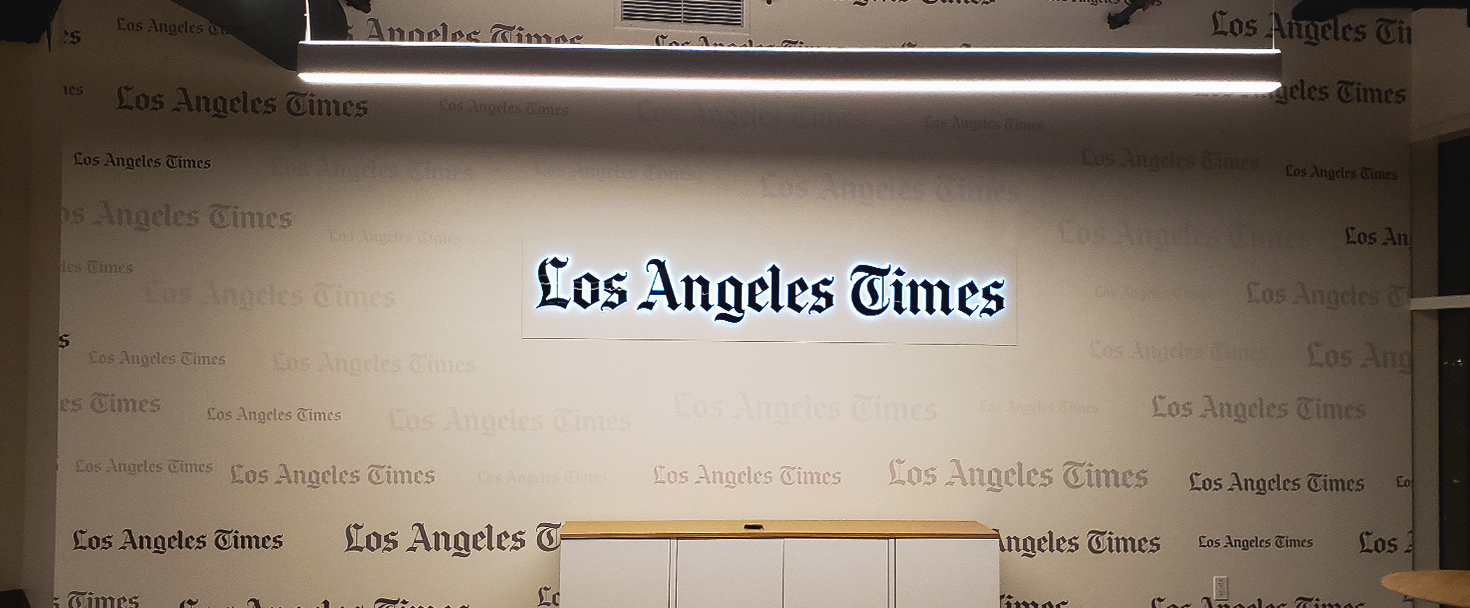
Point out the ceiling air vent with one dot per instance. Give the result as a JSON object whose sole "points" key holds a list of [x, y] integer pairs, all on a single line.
{"points": [[700, 12]]}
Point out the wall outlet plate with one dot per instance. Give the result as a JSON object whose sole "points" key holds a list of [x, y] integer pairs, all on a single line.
{"points": [[1222, 588]]}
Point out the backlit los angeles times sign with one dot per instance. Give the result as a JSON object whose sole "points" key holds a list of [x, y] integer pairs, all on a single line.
{"points": [[929, 298]]}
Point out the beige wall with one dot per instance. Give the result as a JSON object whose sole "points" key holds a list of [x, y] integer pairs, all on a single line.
{"points": [[1437, 109], [1154, 281], [29, 185], [14, 140], [1442, 86]]}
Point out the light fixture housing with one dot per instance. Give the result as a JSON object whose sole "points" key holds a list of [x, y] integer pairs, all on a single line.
{"points": [[793, 69]]}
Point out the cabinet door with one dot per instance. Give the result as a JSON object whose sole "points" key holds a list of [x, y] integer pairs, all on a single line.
{"points": [[728, 573], [836, 573], [950, 572], [615, 573]]}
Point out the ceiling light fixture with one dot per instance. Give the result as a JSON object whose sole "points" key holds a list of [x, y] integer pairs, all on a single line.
{"points": [[794, 69]]}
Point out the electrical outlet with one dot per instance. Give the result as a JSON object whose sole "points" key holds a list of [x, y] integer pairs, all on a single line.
{"points": [[1222, 588]]}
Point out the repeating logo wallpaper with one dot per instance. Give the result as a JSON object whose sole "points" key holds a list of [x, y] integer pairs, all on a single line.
{"points": [[370, 347]]}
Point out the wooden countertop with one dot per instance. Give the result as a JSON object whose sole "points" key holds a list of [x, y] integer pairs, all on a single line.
{"points": [[777, 528], [1448, 587]]}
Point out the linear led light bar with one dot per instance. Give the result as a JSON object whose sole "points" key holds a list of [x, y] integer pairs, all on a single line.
{"points": [[809, 69]]}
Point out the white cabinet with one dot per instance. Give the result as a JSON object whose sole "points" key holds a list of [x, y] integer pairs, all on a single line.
{"points": [[779, 564], [837, 573], [723, 572], [619, 573], [925, 572]]}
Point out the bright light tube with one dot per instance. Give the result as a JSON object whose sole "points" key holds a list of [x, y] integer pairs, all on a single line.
{"points": [[796, 85], [794, 69], [836, 50]]}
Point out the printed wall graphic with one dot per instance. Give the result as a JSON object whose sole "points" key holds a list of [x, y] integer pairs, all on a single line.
{"points": [[306, 364]]}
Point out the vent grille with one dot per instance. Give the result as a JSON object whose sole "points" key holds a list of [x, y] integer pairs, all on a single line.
{"points": [[702, 12]]}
